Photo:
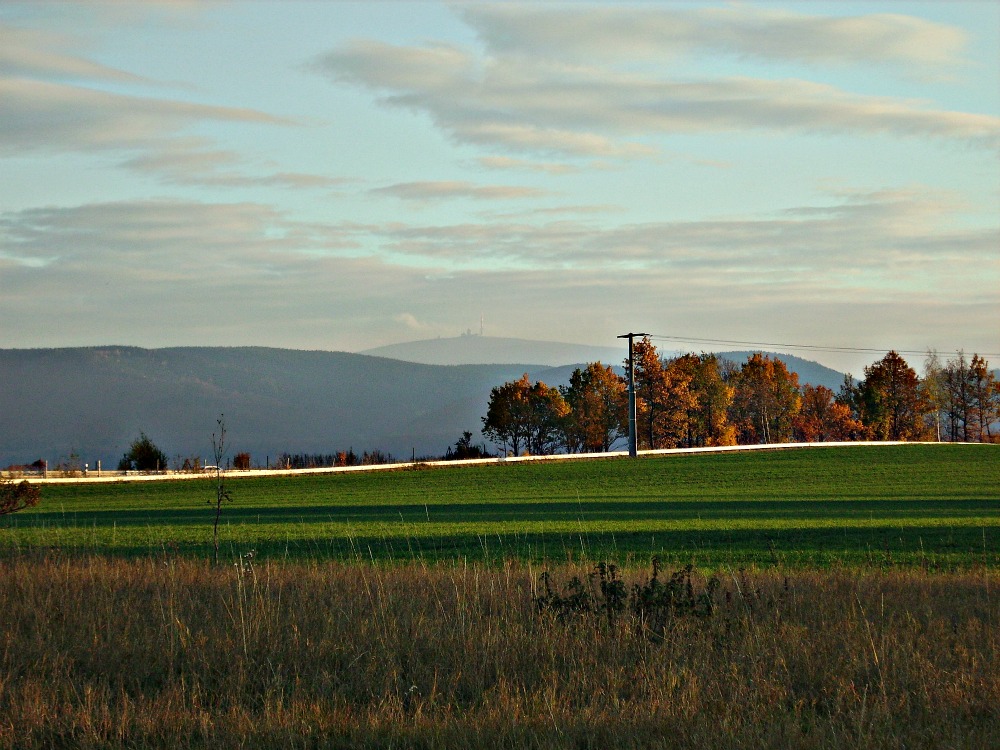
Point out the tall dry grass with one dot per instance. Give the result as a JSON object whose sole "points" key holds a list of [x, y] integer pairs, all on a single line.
{"points": [[98, 653]]}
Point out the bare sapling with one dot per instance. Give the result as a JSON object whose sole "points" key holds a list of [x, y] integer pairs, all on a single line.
{"points": [[221, 493]]}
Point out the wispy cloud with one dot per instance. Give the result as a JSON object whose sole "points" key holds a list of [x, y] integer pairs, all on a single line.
{"points": [[449, 189], [527, 165], [583, 33], [560, 107], [139, 267], [39, 54], [53, 116], [193, 161]]}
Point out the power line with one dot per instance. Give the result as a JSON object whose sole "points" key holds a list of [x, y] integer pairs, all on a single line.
{"points": [[804, 347]]}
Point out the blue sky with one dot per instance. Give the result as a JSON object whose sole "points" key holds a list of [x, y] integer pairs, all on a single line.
{"points": [[341, 176]]}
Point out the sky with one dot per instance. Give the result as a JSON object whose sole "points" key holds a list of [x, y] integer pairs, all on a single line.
{"points": [[340, 176]]}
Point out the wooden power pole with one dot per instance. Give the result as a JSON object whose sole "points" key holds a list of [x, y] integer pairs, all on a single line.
{"points": [[633, 443]]}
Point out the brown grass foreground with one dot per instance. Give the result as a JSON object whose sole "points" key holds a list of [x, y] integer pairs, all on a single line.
{"points": [[98, 653]]}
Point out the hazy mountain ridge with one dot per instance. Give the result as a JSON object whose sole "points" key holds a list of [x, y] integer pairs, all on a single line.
{"points": [[94, 401], [476, 349], [809, 372]]}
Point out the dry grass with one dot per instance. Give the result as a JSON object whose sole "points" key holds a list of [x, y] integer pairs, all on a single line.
{"points": [[98, 653]]}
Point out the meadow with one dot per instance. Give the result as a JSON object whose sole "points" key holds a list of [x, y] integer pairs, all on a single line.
{"points": [[912, 504], [146, 653], [827, 598]]}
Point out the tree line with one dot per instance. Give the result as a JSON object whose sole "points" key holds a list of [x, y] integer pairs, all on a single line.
{"points": [[700, 400]]}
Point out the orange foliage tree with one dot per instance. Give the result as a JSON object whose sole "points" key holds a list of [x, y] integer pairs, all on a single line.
{"points": [[765, 401], [597, 415], [525, 415], [822, 418]]}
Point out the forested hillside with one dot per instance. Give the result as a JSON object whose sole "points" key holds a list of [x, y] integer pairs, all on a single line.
{"points": [[93, 402]]}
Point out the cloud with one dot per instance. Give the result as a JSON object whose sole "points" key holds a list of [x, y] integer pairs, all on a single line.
{"points": [[448, 189], [168, 272], [888, 239], [33, 53], [661, 33], [508, 162], [156, 272], [192, 161], [164, 240], [410, 322], [53, 116], [563, 108]]}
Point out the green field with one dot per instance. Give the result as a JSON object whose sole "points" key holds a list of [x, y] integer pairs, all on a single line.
{"points": [[915, 504]]}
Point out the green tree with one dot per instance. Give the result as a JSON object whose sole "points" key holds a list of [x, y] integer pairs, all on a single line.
{"points": [[889, 400], [143, 455], [465, 449]]}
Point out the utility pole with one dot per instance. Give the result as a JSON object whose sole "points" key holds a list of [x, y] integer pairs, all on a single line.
{"points": [[633, 446]]}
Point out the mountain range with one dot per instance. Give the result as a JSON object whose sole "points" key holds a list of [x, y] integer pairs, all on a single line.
{"points": [[93, 402]]}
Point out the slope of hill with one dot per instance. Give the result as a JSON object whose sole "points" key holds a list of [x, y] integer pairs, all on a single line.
{"points": [[473, 349], [95, 401]]}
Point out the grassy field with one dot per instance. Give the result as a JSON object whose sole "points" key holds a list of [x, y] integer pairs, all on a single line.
{"points": [[931, 505], [842, 598], [114, 653]]}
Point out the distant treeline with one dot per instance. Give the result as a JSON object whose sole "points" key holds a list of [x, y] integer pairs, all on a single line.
{"points": [[702, 400], [327, 460]]}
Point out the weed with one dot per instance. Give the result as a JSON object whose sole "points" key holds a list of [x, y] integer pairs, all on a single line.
{"points": [[654, 604]]}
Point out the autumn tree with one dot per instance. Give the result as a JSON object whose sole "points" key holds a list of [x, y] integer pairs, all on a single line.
{"points": [[652, 399], [822, 418], [682, 402], [765, 401], [598, 409], [506, 421], [984, 391], [958, 398], [708, 415], [889, 401], [934, 390], [547, 412], [525, 415]]}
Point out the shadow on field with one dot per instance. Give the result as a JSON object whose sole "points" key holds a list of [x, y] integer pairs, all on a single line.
{"points": [[880, 545], [714, 510]]}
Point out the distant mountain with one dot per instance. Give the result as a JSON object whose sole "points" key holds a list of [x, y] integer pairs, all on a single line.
{"points": [[95, 401], [472, 349]]}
